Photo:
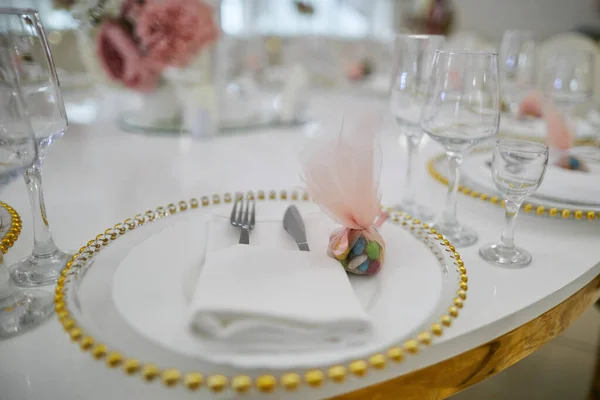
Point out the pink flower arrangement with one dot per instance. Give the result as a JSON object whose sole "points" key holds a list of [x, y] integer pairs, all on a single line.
{"points": [[151, 35]]}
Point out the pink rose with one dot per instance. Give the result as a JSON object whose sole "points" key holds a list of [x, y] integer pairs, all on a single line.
{"points": [[121, 59], [130, 9], [171, 32]]}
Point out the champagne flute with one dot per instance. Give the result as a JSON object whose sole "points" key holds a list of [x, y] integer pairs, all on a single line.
{"points": [[41, 94], [462, 109], [517, 67], [20, 310], [518, 168], [413, 56]]}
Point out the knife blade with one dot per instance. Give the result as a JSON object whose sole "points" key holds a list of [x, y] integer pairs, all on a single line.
{"points": [[294, 225]]}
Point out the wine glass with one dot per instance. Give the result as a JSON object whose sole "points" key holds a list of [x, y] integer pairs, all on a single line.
{"points": [[517, 67], [41, 94], [413, 56], [568, 78], [568, 83], [461, 110], [518, 168], [20, 310]]}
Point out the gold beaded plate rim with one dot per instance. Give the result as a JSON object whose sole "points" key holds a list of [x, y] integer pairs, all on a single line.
{"points": [[13, 232], [475, 191], [242, 383]]}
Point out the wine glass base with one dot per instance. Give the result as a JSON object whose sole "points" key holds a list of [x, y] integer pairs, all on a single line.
{"points": [[499, 255], [24, 310], [38, 270], [416, 211], [458, 235]]}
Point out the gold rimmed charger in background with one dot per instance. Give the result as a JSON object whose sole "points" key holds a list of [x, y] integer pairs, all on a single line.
{"points": [[10, 227], [534, 205]]}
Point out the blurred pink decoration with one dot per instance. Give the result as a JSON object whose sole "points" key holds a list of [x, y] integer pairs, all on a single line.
{"points": [[455, 79], [121, 59], [560, 136], [531, 105], [355, 71], [171, 32], [358, 70], [342, 176], [151, 35]]}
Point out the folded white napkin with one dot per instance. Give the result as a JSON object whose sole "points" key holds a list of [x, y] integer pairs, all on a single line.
{"points": [[269, 296]]}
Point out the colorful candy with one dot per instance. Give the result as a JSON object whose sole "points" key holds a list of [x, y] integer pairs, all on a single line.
{"points": [[359, 246], [359, 251], [373, 250]]}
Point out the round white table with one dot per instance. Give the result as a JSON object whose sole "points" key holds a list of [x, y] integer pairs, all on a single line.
{"points": [[97, 175]]}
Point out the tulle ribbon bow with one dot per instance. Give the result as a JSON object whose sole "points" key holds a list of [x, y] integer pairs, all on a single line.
{"points": [[560, 137], [342, 176]]}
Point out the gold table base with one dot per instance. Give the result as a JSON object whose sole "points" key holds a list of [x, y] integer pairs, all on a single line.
{"points": [[450, 376]]}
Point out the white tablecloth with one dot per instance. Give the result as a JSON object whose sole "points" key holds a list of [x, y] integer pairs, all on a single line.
{"points": [[97, 176]]}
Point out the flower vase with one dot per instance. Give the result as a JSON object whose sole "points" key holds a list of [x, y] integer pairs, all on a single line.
{"points": [[162, 54], [185, 102], [197, 89], [160, 107]]}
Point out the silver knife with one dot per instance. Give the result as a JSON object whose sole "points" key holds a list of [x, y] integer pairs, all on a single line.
{"points": [[294, 225]]}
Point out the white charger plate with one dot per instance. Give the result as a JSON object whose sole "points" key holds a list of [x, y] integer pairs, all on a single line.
{"points": [[483, 188], [559, 185], [408, 301], [535, 128]]}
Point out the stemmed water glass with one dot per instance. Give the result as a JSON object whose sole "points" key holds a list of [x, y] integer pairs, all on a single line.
{"points": [[517, 66], [20, 310], [568, 82], [518, 168], [461, 110], [41, 94], [413, 57], [568, 78]]}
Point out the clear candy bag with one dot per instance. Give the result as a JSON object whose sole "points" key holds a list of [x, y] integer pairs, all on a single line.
{"points": [[342, 172]]}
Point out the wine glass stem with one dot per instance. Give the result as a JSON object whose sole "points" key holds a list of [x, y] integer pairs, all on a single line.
{"points": [[412, 151], [449, 215], [507, 239], [43, 243], [6, 288]]}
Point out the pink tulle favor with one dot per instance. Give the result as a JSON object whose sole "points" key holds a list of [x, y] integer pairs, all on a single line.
{"points": [[341, 173], [531, 105], [559, 136]]}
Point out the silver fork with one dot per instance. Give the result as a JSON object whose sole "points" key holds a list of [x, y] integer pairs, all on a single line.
{"points": [[243, 217]]}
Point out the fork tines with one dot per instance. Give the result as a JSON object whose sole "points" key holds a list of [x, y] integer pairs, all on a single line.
{"points": [[243, 217]]}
